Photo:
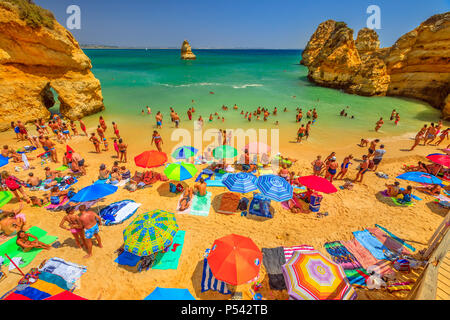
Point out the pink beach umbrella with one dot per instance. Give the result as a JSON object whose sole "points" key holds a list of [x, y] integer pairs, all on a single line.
{"points": [[257, 147], [442, 159]]}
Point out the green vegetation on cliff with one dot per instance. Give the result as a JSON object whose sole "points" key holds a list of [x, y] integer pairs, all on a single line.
{"points": [[34, 15]]}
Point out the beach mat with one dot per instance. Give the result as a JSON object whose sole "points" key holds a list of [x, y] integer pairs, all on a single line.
{"points": [[342, 256], [354, 277], [69, 271], [62, 168], [389, 242], [376, 248], [201, 205], [273, 260], [364, 257], [118, 212], [406, 204], [289, 251], [13, 250], [170, 259], [393, 236], [127, 259], [56, 206], [5, 197]]}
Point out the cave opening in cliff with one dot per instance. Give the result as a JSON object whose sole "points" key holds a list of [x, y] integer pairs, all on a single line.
{"points": [[50, 99]]}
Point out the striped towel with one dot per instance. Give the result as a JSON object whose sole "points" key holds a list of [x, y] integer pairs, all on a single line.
{"points": [[209, 282], [289, 251], [410, 247], [341, 255], [389, 242]]}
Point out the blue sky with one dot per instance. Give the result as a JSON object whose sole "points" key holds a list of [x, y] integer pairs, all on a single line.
{"points": [[283, 24]]}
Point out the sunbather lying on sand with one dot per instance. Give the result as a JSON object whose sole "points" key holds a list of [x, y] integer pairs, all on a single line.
{"points": [[24, 242], [433, 189], [186, 200]]}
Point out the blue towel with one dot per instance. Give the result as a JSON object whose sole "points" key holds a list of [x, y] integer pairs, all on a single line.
{"points": [[376, 248], [55, 279], [209, 282], [33, 294], [127, 259]]}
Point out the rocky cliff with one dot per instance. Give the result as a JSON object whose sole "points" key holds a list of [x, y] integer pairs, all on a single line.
{"points": [[36, 58], [186, 51], [416, 66]]}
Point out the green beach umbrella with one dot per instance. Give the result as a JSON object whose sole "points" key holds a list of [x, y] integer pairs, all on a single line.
{"points": [[185, 152], [180, 171], [150, 232], [5, 197], [224, 152]]}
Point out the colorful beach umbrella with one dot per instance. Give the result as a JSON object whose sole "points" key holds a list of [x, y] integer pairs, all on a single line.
{"points": [[93, 192], [224, 152], [180, 171], [150, 159], [3, 161], [235, 259], [311, 276], [241, 182], [421, 177], [257, 147], [150, 232], [184, 152], [317, 184], [170, 294], [5, 197], [442, 159], [275, 187]]}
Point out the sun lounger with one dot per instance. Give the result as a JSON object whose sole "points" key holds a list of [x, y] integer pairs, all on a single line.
{"points": [[201, 205], [209, 282], [170, 258]]}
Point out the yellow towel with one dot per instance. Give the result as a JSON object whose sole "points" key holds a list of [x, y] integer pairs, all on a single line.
{"points": [[44, 286]]}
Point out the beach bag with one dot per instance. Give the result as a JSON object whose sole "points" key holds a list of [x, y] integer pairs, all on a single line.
{"points": [[243, 204], [172, 188]]}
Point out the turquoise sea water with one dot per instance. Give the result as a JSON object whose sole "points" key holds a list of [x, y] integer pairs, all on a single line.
{"points": [[132, 79]]}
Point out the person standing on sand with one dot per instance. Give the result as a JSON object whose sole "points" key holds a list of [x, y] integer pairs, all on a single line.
{"points": [[49, 146], [91, 222], [308, 129], [372, 147], [156, 138], [364, 167], [116, 130], [379, 124], [73, 127], [83, 127], [344, 167], [378, 156], [76, 157], [75, 227], [331, 169], [430, 134], [317, 166], [95, 141], [123, 151], [116, 148], [102, 123], [100, 132], [419, 136], [301, 133]]}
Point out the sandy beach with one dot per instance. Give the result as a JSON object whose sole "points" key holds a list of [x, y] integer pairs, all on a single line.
{"points": [[349, 210]]}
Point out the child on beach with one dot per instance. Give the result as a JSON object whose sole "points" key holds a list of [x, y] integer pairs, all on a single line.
{"points": [[105, 144]]}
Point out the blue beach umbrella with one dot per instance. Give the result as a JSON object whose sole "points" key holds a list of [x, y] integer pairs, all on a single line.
{"points": [[184, 152], [170, 294], [421, 177], [3, 161], [241, 182], [94, 192], [275, 187]]}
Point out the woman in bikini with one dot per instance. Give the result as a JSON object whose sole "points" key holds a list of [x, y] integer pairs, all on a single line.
{"points": [[75, 226], [156, 138], [122, 150], [24, 242], [344, 167], [116, 130], [96, 142], [57, 196], [317, 166]]}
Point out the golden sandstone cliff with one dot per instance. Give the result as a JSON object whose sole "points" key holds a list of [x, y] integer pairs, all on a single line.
{"points": [[416, 66], [34, 59], [186, 51]]}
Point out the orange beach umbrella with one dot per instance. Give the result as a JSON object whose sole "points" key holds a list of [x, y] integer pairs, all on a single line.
{"points": [[235, 259], [150, 159]]}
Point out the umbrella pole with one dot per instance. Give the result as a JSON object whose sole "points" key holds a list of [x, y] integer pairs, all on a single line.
{"points": [[15, 265]]}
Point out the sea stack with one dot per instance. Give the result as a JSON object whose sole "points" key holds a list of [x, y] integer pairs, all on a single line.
{"points": [[35, 56], [186, 51], [416, 66]]}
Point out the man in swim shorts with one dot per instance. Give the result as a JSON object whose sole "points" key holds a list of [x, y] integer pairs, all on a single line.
{"points": [[90, 221], [364, 167]]}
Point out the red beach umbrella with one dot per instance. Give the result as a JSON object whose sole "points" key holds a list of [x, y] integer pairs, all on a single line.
{"points": [[150, 159], [317, 184], [235, 259], [442, 159], [69, 149]]}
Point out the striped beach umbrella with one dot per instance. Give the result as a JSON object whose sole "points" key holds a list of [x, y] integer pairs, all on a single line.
{"points": [[150, 232], [180, 171], [235, 259], [275, 187], [311, 276], [241, 182], [184, 152], [224, 152]]}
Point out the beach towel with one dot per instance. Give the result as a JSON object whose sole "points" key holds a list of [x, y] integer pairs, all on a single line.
{"points": [[13, 250], [376, 248], [402, 204], [39, 290], [54, 207], [341, 255], [201, 205], [170, 258], [118, 212], [209, 282], [389, 242], [5, 197], [265, 171], [205, 174], [55, 279], [289, 251], [215, 183], [393, 236], [273, 259], [127, 259], [69, 271], [354, 277], [62, 168], [385, 194], [101, 181]]}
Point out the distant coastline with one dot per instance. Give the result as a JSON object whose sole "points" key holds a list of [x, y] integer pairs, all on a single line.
{"points": [[172, 48]]}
